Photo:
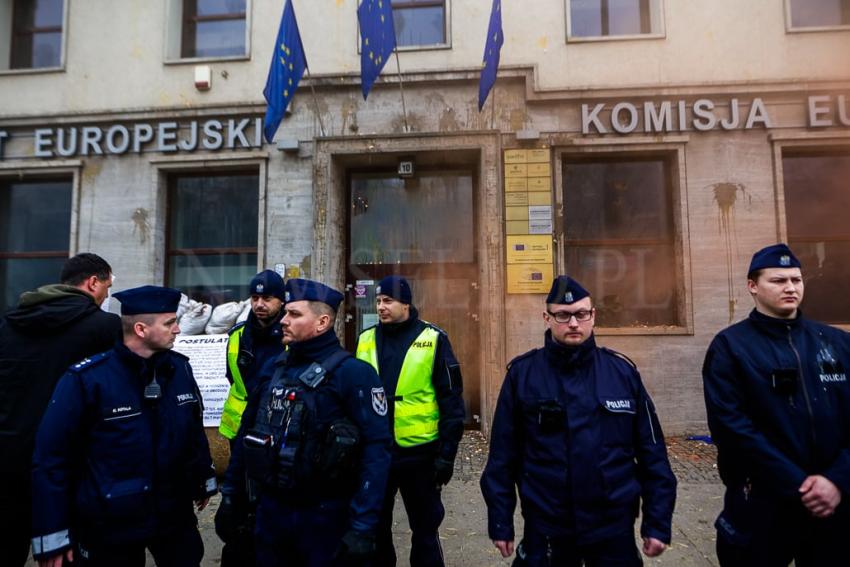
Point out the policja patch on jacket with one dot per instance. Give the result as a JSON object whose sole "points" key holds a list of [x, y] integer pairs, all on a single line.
{"points": [[379, 401]]}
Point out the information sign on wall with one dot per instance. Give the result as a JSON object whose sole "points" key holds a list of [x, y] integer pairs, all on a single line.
{"points": [[528, 220]]}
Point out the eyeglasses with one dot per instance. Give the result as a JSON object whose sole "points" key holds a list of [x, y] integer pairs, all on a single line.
{"points": [[582, 315]]}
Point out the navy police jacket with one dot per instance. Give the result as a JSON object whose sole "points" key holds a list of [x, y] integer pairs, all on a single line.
{"points": [[778, 404], [109, 466], [576, 432], [351, 391]]}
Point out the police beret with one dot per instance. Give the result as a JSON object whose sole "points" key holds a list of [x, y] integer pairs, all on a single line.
{"points": [[148, 299], [298, 289], [395, 287], [267, 282], [565, 290], [775, 256]]}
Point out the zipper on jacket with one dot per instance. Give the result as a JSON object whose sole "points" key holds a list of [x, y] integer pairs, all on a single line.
{"points": [[803, 384]]}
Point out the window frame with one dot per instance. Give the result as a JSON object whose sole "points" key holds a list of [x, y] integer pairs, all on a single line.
{"points": [[63, 43], [790, 28], [62, 171], [168, 166], [801, 143], [660, 34], [447, 27], [170, 185], [176, 26], [672, 151]]}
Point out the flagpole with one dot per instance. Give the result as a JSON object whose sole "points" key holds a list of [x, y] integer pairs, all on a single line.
{"points": [[401, 88], [315, 101]]}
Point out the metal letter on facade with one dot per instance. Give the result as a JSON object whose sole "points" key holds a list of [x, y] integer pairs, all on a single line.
{"points": [[592, 118], [816, 110]]}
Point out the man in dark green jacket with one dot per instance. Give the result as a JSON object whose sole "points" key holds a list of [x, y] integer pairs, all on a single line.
{"points": [[50, 329]]}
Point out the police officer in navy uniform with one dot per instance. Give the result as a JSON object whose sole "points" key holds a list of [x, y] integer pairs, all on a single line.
{"points": [[576, 432], [250, 344], [121, 453], [423, 381], [778, 404], [314, 440]]}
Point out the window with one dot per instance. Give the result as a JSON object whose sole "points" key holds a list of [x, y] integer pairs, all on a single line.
{"points": [[212, 235], [619, 238], [816, 205], [613, 18], [818, 13], [36, 33], [212, 29], [420, 22], [35, 232]]}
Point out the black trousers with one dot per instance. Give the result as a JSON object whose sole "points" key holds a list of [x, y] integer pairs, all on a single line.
{"points": [[182, 548], [290, 535], [240, 551], [414, 478], [15, 521], [537, 550], [808, 541]]}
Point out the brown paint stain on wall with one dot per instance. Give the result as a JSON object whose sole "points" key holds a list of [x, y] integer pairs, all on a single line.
{"points": [[725, 197], [415, 123], [448, 121], [349, 116], [518, 119], [141, 225]]}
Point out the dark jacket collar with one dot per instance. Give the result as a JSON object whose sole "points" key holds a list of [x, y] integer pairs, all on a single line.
{"points": [[568, 356], [774, 325], [262, 332], [51, 308], [400, 328], [159, 362], [314, 350]]}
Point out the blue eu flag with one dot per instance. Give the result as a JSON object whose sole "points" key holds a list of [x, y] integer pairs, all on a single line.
{"points": [[492, 49], [377, 43], [285, 72]]}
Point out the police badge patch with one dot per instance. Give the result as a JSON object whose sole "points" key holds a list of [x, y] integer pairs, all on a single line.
{"points": [[379, 401]]}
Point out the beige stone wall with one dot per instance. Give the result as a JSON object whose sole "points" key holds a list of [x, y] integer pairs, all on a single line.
{"points": [[115, 55]]}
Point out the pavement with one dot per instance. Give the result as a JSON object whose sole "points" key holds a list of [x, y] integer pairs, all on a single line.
{"points": [[464, 530]]}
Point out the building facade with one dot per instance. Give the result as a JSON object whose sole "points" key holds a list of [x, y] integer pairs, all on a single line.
{"points": [[646, 147]]}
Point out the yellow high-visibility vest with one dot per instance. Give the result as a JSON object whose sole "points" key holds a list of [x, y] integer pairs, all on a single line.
{"points": [[417, 415], [237, 397]]}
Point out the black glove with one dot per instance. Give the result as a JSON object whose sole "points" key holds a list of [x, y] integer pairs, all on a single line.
{"points": [[443, 470], [356, 547], [229, 519]]}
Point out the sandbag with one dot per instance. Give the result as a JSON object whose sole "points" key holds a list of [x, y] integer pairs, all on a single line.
{"points": [[195, 319], [183, 306], [223, 318], [246, 310]]}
